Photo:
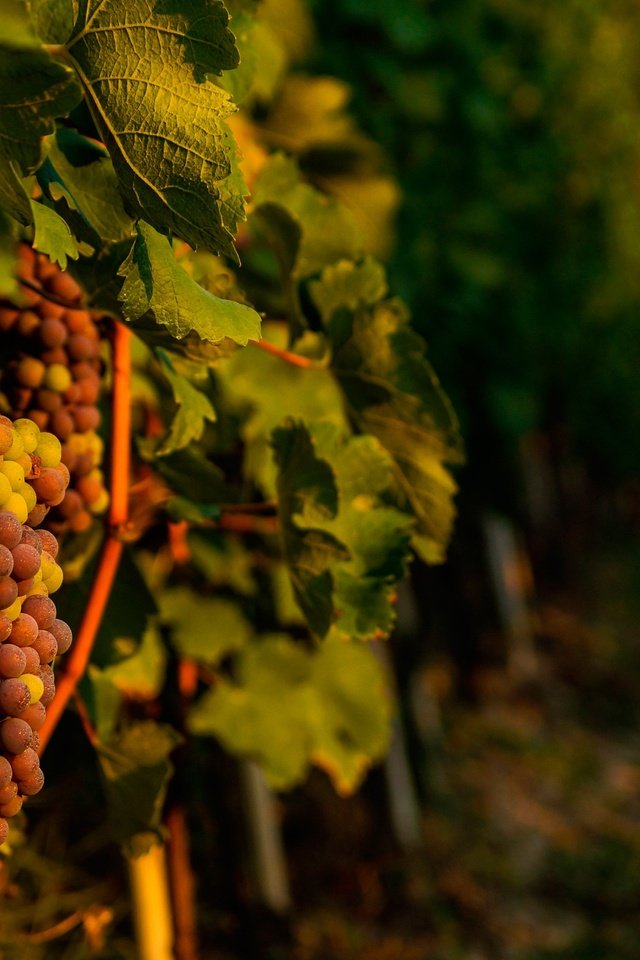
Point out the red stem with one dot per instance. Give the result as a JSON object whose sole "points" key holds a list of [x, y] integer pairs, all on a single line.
{"points": [[77, 661], [293, 358]]}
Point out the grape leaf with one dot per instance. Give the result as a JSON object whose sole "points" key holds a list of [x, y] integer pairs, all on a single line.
{"points": [[189, 421], [156, 288], [7, 258], [52, 235], [353, 588], [205, 629], [223, 561], [394, 394], [136, 770], [34, 89], [307, 495], [327, 229], [348, 285], [13, 195], [247, 380], [52, 19], [333, 710], [143, 66], [141, 675], [91, 190]]}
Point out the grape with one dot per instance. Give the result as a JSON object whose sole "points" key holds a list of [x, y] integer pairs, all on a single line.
{"points": [[10, 809], [14, 696], [34, 684], [5, 489], [57, 378], [24, 763], [35, 715], [9, 792], [26, 561], [32, 538], [28, 321], [50, 485], [47, 679], [29, 432], [86, 418], [12, 661], [54, 355], [5, 628], [48, 542], [14, 473], [62, 424], [6, 438], [39, 417], [30, 372], [25, 586], [15, 735], [4, 830], [31, 659], [46, 646], [37, 515], [32, 784], [80, 521], [72, 502], [14, 610], [8, 592], [89, 390], [17, 505], [6, 773], [49, 449], [28, 494], [62, 633], [6, 561], [53, 332], [24, 629], [62, 285], [48, 400]]}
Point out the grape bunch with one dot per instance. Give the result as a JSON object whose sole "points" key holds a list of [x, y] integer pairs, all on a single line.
{"points": [[51, 375], [32, 480]]}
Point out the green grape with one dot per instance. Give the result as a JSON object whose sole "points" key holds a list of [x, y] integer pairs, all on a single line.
{"points": [[14, 474], [16, 504], [34, 685], [49, 449], [30, 433], [57, 377]]}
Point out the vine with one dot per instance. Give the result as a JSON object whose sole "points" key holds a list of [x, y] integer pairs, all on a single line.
{"points": [[270, 481]]}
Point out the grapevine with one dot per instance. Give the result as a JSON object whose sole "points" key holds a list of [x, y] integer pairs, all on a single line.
{"points": [[277, 444]]}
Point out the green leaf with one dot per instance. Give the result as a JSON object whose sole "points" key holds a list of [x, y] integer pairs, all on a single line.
{"points": [[353, 588], [156, 288], [224, 562], [205, 629], [52, 19], [8, 248], [189, 421], [191, 475], [248, 379], [394, 394], [52, 235], [34, 89], [333, 710], [143, 66], [307, 496], [16, 27], [91, 190], [13, 195], [348, 285], [327, 230], [136, 770], [141, 675]]}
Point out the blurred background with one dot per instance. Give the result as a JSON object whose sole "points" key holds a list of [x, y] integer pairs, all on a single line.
{"points": [[505, 194]]}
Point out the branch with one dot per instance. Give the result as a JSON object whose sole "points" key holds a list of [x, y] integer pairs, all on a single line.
{"points": [[182, 885], [293, 358], [77, 661]]}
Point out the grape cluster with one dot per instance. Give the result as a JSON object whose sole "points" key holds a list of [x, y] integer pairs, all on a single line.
{"points": [[52, 377], [32, 480]]}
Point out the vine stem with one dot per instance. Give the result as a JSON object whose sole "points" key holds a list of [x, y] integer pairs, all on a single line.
{"points": [[295, 359], [77, 661]]}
